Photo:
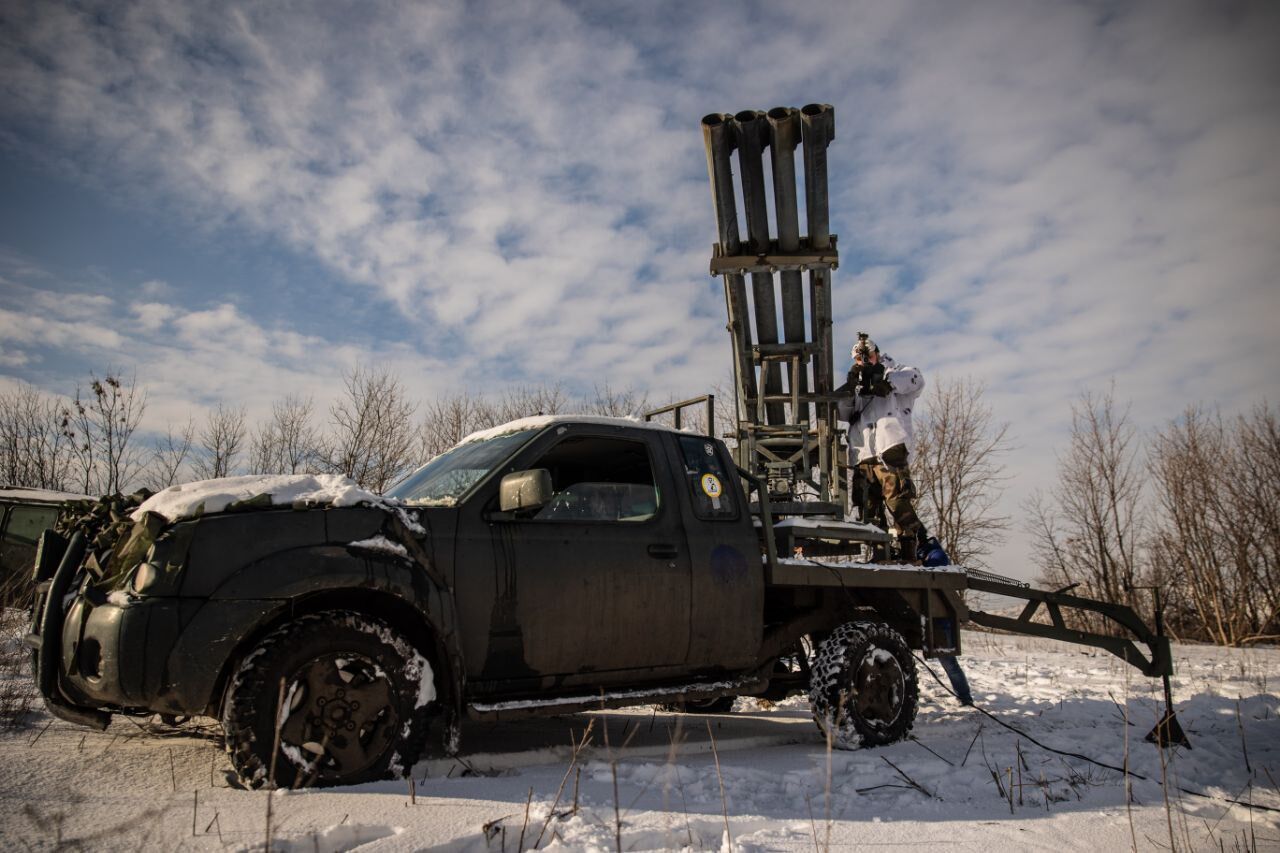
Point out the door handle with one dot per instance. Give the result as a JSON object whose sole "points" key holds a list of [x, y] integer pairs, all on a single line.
{"points": [[663, 551]]}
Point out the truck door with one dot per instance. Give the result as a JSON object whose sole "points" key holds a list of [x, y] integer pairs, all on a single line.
{"points": [[598, 580], [728, 578]]}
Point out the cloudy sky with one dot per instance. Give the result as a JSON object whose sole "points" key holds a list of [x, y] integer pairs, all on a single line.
{"points": [[242, 200]]}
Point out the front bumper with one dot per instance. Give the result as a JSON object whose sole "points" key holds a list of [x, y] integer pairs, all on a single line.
{"points": [[48, 619], [98, 653]]}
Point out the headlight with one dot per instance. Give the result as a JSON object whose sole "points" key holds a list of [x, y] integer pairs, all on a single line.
{"points": [[158, 574]]}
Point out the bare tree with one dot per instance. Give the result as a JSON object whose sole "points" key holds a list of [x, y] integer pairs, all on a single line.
{"points": [[694, 418], [101, 427], [220, 442], [958, 470], [524, 401], [372, 438], [34, 448], [287, 442], [1218, 530], [627, 403], [169, 457], [1255, 489], [1090, 527], [451, 418]]}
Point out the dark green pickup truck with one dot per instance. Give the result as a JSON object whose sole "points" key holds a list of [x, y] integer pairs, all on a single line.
{"points": [[24, 515], [549, 565]]}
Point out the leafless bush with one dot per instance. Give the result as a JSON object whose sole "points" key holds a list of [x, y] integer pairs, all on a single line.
{"points": [[958, 472], [1090, 526], [100, 427], [287, 442], [34, 448], [1217, 540], [372, 438], [220, 442]]}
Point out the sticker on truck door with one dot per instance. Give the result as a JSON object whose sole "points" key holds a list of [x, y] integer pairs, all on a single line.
{"points": [[711, 486]]}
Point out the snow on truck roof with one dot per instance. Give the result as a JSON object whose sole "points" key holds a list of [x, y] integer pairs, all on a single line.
{"points": [[541, 421]]}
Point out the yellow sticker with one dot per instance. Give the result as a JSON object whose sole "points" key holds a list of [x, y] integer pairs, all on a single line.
{"points": [[711, 486]]}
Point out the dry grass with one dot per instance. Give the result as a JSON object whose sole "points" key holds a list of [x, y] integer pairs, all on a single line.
{"points": [[17, 693]]}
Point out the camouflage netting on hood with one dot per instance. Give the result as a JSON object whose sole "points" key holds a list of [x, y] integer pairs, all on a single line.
{"points": [[114, 541], [119, 530]]}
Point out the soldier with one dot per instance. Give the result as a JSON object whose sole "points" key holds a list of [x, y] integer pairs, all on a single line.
{"points": [[879, 397]]}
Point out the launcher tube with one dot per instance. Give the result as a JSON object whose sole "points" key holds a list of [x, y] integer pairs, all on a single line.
{"points": [[753, 136], [818, 124]]}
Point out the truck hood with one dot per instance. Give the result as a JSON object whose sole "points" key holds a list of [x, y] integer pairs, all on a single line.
{"points": [[122, 532], [230, 494]]}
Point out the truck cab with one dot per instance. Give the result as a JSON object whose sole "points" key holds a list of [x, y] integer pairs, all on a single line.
{"points": [[640, 562]]}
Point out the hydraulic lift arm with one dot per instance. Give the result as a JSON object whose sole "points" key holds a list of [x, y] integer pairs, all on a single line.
{"points": [[1157, 661]]}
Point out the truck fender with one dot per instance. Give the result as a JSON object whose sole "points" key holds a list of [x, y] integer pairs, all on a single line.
{"points": [[382, 583]]}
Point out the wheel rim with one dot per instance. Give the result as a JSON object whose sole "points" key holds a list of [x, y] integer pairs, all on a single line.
{"points": [[879, 687], [339, 716]]}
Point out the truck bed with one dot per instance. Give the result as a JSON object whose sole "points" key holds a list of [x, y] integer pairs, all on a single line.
{"points": [[791, 572]]}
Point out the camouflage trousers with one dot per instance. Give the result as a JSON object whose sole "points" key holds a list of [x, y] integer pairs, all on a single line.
{"points": [[885, 483]]}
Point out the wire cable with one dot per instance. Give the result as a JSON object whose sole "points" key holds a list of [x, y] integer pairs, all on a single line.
{"points": [[1086, 758]]}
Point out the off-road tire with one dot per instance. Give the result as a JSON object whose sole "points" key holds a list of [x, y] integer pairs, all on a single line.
{"points": [[718, 705], [329, 662], [863, 689]]}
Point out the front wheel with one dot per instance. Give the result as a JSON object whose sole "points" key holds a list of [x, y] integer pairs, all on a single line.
{"points": [[863, 689], [355, 704]]}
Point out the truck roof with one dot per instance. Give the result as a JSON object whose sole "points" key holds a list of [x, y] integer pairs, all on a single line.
{"points": [[26, 495], [541, 421]]}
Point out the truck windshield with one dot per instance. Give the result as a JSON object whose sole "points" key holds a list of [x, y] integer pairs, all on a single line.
{"points": [[444, 479]]}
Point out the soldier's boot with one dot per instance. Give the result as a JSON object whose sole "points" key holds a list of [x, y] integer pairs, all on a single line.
{"points": [[930, 552], [911, 541]]}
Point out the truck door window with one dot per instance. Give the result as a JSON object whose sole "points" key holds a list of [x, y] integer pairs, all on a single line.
{"points": [[599, 479], [25, 524], [707, 479]]}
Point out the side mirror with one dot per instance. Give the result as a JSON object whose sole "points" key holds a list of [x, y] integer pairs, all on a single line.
{"points": [[525, 490]]}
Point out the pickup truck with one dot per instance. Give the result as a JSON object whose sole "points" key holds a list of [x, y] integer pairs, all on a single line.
{"points": [[24, 514], [550, 565]]}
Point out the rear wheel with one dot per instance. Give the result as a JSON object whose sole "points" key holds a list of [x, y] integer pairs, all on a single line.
{"points": [[355, 704], [863, 689]]}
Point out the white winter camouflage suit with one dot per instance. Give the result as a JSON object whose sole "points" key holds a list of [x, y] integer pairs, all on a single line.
{"points": [[880, 443], [878, 423]]}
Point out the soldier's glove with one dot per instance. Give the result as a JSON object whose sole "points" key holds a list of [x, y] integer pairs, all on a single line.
{"points": [[881, 388]]}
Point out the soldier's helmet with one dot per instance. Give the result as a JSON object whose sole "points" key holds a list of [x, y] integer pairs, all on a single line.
{"points": [[863, 345]]}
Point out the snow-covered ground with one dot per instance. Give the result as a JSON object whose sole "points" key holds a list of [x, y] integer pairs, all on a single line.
{"points": [[776, 786]]}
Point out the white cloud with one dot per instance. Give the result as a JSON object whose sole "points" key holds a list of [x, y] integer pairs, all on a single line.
{"points": [[33, 329], [152, 315]]}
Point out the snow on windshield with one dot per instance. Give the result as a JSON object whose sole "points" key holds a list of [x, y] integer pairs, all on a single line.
{"points": [[202, 497]]}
